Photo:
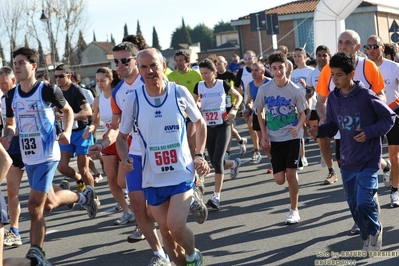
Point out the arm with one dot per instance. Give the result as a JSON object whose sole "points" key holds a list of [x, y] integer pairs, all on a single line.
{"points": [[96, 119], [200, 164], [233, 112], [321, 108], [67, 120], [265, 142], [385, 121], [85, 112]]}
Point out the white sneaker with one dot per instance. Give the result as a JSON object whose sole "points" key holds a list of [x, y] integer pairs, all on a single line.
{"points": [[292, 217], [243, 148], [394, 199], [256, 158], [376, 241], [304, 161], [387, 176], [234, 171]]}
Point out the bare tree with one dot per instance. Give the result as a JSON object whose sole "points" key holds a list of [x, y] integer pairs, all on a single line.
{"points": [[11, 20]]}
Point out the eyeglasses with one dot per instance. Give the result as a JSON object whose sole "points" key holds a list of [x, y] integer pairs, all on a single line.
{"points": [[371, 46], [61, 76], [123, 61], [247, 58]]}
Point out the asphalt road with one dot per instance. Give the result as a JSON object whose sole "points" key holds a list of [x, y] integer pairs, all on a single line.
{"points": [[249, 229]]}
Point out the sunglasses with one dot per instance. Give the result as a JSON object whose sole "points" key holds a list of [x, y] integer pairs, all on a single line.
{"points": [[123, 61], [247, 58], [371, 46], [61, 76]]}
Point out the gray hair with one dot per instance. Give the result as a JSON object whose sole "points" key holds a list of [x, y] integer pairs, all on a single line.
{"points": [[8, 71]]}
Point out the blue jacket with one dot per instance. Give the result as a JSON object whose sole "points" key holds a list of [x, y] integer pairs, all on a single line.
{"points": [[360, 110]]}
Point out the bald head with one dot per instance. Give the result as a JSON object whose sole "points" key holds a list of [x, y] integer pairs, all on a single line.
{"points": [[221, 64], [349, 41]]}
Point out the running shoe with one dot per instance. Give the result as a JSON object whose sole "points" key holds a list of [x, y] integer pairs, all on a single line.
{"points": [[39, 256], [387, 176], [198, 208], [97, 178], [10, 239], [304, 161], [125, 218], [331, 179], [234, 171], [198, 261], [158, 261], [243, 147], [394, 199], [199, 183], [376, 241], [214, 203], [292, 217], [90, 205], [136, 236], [81, 186], [256, 157], [64, 185], [366, 243], [355, 230]]}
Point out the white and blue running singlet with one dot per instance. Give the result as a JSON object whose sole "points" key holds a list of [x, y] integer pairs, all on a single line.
{"points": [[36, 127], [167, 160]]}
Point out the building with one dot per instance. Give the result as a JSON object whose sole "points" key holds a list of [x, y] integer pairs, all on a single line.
{"points": [[297, 29], [193, 49]]}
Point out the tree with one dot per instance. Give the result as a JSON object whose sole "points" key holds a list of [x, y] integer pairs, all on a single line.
{"points": [[203, 35], [223, 26], [81, 45], [2, 56], [155, 40], [138, 32], [112, 39], [125, 31], [181, 35], [11, 20], [41, 56], [94, 36]]}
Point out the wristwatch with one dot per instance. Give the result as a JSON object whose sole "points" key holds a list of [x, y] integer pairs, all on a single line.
{"points": [[199, 155]]}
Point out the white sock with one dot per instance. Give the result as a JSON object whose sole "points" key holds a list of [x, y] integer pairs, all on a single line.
{"points": [[160, 253], [192, 257], [216, 195], [234, 164]]}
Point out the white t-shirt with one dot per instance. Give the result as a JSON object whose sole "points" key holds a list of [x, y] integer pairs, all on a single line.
{"points": [[390, 74], [311, 81]]}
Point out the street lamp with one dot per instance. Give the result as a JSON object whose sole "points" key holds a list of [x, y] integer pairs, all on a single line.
{"points": [[47, 20]]}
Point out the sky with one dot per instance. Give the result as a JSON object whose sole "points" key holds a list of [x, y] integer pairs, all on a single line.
{"points": [[106, 17]]}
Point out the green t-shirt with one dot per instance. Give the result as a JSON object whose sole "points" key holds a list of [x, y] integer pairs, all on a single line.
{"points": [[187, 80]]}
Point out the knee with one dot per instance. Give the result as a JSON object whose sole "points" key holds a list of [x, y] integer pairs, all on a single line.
{"points": [[176, 228], [279, 181], [12, 193]]}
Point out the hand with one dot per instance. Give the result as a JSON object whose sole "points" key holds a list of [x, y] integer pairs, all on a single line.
{"points": [[95, 150], [5, 141], [294, 131], [127, 165], [265, 143], [201, 166], [231, 116], [64, 138], [322, 121], [86, 134], [313, 132], [303, 82], [361, 137], [59, 116]]}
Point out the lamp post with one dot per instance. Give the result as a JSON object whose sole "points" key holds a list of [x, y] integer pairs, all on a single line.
{"points": [[47, 20]]}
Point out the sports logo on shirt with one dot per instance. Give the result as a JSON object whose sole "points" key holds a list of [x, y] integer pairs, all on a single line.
{"points": [[171, 128], [158, 114]]}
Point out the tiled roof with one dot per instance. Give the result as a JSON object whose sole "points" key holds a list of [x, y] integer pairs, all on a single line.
{"points": [[106, 46], [297, 7]]}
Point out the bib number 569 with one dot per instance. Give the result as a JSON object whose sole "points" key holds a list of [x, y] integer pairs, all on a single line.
{"points": [[165, 157]]}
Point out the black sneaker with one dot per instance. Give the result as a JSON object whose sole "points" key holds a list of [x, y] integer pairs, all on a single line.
{"points": [[34, 253]]}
